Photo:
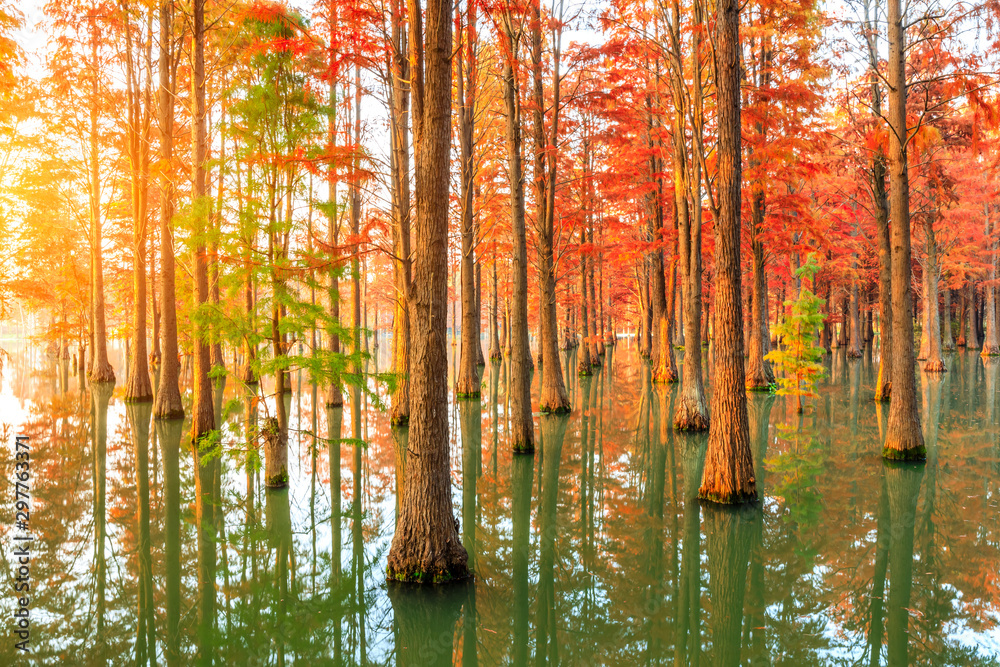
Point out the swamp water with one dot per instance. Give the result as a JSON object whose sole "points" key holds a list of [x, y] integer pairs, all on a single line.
{"points": [[594, 551]]}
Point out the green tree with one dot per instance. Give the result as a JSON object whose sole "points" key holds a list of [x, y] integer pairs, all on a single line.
{"points": [[798, 354]]}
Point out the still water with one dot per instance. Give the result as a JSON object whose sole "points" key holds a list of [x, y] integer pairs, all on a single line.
{"points": [[593, 552]]}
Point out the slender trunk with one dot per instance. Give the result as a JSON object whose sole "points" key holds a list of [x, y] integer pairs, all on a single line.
{"points": [[467, 385], [991, 341], [335, 393], [691, 411], [760, 375], [100, 370], [552, 393], [426, 546], [947, 339], [138, 388], [522, 437], [729, 472], [904, 440], [495, 351], [932, 319], [167, 403], [203, 413], [583, 364]]}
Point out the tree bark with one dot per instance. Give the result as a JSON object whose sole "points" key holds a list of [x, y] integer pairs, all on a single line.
{"points": [[947, 339], [522, 437], [991, 341], [203, 417], [426, 546], [467, 385], [903, 441], [691, 412], [932, 322], [760, 375], [729, 473], [100, 370], [167, 402], [138, 388]]}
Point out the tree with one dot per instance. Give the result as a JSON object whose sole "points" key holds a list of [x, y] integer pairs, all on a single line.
{"points": [[426, 547], [904, 440], [799, 354], [167, 403], [728, 476]]}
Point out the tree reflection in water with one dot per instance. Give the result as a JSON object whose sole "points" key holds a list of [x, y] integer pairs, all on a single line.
{"points": [[595, 550]]}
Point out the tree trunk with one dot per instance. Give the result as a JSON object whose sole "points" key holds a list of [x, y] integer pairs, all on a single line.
{"points": [[991, 341], [138, 388], [760, 375], [167, 402], [947, 339], [729, 473], [467, 385], [552, 393], [100, 370], [335, 393], [903, 441], [691, 412], [857, 336], [932, 320], [583, 364], [971, 317], [426, 546], [496, 353], [522, 437], [203, 413]]}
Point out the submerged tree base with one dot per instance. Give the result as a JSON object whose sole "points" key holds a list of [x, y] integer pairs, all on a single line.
{"points": [[524, 448], [911, 454], [665, 376], [102, 374], [935, 366], [731, 498], [563, 409], [990, 351], [760, 388], [431, 576], [689, 418], [467, 395], [396, 420]]}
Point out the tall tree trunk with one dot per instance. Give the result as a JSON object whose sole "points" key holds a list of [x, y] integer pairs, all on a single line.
{"points": [[203, 417], [467, 385], [496, 353], [991, 341], [583, 366], [932, 320], [335, 392], [971, 316], [138, 388], [857, 336], [729, 473], [552, 394], [760, 375], [883, 383], [904, 440], [522, 436], [691, 411], [167, 402], [100, 370], [947, 339], [426, 546]]}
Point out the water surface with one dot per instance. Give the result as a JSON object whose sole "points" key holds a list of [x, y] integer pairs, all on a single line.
{"points": [[593, 551]]}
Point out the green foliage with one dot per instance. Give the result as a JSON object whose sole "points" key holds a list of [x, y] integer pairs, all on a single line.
{"points": [[798, 355]]}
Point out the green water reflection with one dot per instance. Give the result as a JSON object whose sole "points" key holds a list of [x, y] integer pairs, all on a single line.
{"points": [[594, 551]]}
